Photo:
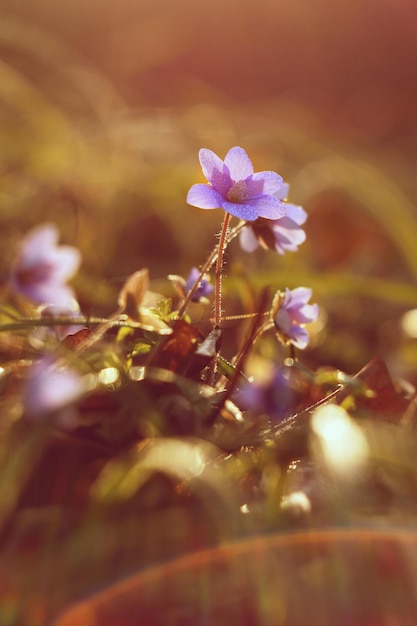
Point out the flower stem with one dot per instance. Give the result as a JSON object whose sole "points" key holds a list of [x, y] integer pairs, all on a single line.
{"points": [[114, 321], [219, 266], [231, 234]]}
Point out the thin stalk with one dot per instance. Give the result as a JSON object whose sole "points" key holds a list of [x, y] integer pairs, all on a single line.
{"points": [[230, 235], [219, 274], [32, 322], [209, 262]]}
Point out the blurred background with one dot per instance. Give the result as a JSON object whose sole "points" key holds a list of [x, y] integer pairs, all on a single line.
{"points": [[104, 106]]}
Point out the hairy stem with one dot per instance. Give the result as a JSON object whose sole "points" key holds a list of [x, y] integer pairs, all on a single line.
{"points": [[219, 266], [231, 234]]}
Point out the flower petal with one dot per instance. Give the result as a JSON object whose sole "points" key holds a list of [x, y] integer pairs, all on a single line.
{"points": [[288, 236], [216, 172], [38, 240], [268, 206], [204, 197], [243, 211], [306, 314], [283, 321], [299, 337], [248, 239], [283, 192], [239, 164], [66, 261], [296, 213], [272, 182], [299, 296], [50, 388], [49, 293]]}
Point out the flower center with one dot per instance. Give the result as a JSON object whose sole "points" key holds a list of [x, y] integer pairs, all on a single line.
{"points": [[35, 274], [237, 192]]}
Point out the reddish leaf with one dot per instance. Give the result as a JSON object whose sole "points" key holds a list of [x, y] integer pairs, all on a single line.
{"points": [[385, 402], [73, 341], [177, 351]]}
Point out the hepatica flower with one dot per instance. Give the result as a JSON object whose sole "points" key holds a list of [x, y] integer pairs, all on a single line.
{"points": [[291, 311], [184, 286], [204, 289], [52, 388], [43, 268], [283, 234], [235, 187], [273, 397]]}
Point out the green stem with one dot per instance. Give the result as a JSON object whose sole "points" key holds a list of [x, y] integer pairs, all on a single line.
{"points": [[32, 322]]}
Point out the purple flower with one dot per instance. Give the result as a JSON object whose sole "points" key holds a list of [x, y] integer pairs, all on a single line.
{"points": [[291, 312], [203, 290], [283, 234], [183, 287], [274, 397], [42, 268], [51, 388], [234, 187]]}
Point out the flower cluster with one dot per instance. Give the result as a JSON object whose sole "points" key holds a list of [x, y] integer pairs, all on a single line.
{"points": [[43, 268], [269, 221]]}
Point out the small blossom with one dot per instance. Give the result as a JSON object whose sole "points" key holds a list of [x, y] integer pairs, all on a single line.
{"points": [[283, 234], [274, 397], [291, 312], [204, 289], [42, 268], [234, 187], [183, 287], [52, 388]]}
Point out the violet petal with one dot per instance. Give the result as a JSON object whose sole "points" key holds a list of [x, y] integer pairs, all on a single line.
{"points": [[248, 239], [216, 172], [268, 207], [239, 164], [204, 197], [272, 182], [243, 211]]}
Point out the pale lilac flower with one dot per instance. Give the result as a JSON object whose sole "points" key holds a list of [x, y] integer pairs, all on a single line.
{"points": [[204, 289], [52, 388], [291, 312], [283, 235], [42, 268], [234, 187]]}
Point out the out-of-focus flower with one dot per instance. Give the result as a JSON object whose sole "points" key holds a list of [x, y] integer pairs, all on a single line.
{"points": [[283, 234], [291, 312], [234, 187], [59, 331], [42, 268], [52, 388], [183, 287], [204, 289], [274, 397]]}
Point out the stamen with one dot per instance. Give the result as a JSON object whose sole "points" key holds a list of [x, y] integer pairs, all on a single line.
{"points": [[237, 192]]}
